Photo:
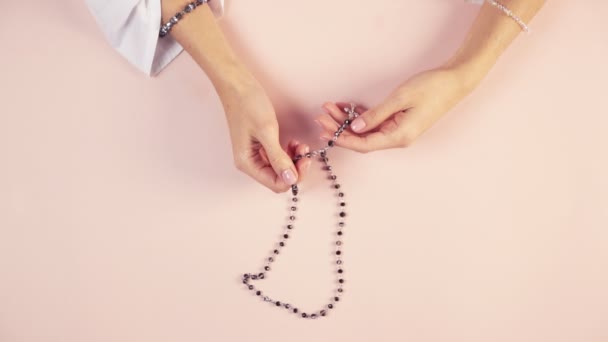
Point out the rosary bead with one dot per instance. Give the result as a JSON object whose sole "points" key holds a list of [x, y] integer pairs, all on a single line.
{"points": [[295, 199], [254, 277], [342, 214], [245, 281], [313, 316], [295, 310], [323, 312], [250, 287], [347, 122], [333, 177], [341, 224], [293, 208], [330, 143], [261, 276], [342, 204], [277, 303], [267, 268], [271, 259], [287, 306], [246, 275], [286, 236], [289, 226], [276, 251], [338, 252], [304, 315], [341, 194], [282, 244], [337, 299], [340, 290], [341, 281], [331, 306], [341, 271], [338, 243], [339, 232], [337, 186], [339, 262], [257, 293], [292, 218], [328, 168]]}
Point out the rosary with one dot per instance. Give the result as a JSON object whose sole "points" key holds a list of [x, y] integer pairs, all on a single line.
{"points": [[249, 277]]}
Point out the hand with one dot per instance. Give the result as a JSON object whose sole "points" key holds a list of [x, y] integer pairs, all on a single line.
{"points": [[254, 132], [407, 112]]}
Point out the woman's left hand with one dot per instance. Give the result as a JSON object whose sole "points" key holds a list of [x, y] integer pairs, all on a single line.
{"points": [[407, 112]]}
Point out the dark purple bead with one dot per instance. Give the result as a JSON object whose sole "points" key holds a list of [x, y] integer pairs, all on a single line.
{"points": [[313, 316], [254, 277], [340, 271], [261, 275], [331, 306], [289, 226], [282, 244], [286, 236], [271, 259], [258, 293], [341, 281], [304, 315], [250, 287], [292, 217], [295, 199], [323, 312], [295, 310], [341, 224], [342, 204], [333, 177], [339, 262], [340, 290], [294, 208], [342, 214], [330, 143], [339, 232], [338, 252], [276, 251], [267, 268], [338, 243], [337, 299], [341, 194], [277, 303], [337, 186]]}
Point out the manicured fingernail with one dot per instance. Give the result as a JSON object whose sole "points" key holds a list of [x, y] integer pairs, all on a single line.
{"points": [[326, 110], [289, 177], [319, 123], [357, 125]]}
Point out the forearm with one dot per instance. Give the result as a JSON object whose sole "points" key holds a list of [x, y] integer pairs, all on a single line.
{"points": [[491, 33], [200, 35]]}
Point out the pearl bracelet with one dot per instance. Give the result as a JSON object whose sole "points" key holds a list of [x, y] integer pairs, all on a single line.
{"points": [[164, 30], [510, 14]]}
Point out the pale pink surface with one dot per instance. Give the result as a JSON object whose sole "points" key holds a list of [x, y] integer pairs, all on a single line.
{"points": [[122, 217]]}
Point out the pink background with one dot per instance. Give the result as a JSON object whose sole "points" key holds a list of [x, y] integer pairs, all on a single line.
{"points": [[122, 217]]}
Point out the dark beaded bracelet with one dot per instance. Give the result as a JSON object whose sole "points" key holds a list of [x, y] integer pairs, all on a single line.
{"points": [[166, 28]]}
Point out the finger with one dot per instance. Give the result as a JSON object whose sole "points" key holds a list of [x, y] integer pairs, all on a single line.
{"points": [[303, 164], [372, 118], [327, 122], [279, 159]]}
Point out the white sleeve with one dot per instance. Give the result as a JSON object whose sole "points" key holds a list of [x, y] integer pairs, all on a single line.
{"points": [[132, 26]]}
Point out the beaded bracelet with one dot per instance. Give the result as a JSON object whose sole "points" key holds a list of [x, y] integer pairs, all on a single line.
{"points": [[510, 14], [164, 30]]}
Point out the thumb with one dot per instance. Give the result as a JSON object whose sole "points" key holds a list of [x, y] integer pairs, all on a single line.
{"points": [[371, 118], [279, 160]]}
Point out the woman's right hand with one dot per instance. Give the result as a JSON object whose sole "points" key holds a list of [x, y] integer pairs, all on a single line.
{"points": [[254, 132]]}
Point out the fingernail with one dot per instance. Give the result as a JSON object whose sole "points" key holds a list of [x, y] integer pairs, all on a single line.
{"points": [[357, 125], [319, 123], [306, 149], [326, 110], [289, 177], [325, 137]]}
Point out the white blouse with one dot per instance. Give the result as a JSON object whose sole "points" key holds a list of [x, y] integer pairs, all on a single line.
{"points": [[132, 27]]}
